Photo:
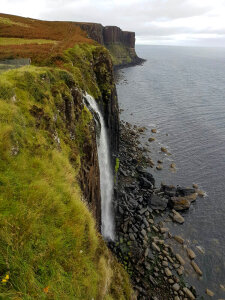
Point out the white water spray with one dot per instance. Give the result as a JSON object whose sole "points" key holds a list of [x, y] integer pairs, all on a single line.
{"points": [[106, 178]]}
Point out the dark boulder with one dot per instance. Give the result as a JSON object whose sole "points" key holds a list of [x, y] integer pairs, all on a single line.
{"points": [[169, 190], [181, 191], [157, 202]]}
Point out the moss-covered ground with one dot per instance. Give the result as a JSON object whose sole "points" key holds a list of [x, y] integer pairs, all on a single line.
{"points": [[49, 247]]}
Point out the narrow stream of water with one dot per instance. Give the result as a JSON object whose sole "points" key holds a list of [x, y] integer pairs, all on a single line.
{"points": [[106, 177]]}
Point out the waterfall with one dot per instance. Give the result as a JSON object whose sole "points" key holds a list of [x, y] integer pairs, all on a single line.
{"points": [[106, 177]]}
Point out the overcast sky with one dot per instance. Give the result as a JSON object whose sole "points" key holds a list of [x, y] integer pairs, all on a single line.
{"points": [[157, 22]]}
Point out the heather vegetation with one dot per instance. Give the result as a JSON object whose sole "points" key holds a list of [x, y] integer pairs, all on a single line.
{"points": [[67, 34]]}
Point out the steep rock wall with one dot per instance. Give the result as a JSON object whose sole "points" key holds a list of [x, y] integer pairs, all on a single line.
{"points": [[121, 44]]}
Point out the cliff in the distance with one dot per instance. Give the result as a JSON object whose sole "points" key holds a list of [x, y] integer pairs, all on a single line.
{"points": [[121, 44]]}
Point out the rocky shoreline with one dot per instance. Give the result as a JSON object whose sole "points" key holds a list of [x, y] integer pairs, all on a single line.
{"points": [[143, 242]]}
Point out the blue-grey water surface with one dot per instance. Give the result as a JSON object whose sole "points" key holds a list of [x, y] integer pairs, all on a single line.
{"points": [[181, 92]]}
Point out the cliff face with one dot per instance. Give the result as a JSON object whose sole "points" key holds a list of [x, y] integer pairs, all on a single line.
{"points": [[121, 44]]}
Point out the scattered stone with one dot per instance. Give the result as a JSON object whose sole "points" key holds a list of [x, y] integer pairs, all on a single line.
{"points": [[176, 287], [146, 252], [185, 191], [180, 259], [165, 263], [200, 249], [163, 149], [177, 298], [141, 129], [168, 272], [191, 253], [196, 268], [169, 190], [180, 271], [173, 166], [154, 130], [201, 193], [209, 293], [195, 186], [157, 202], [155, 229], [177, 217], [188, 293], [183, 203], [152, 280], [151, 139], [159, 161], [164, 229], [222, 287], [131, 236], [179, 239], [159, 167], [155, 247]]}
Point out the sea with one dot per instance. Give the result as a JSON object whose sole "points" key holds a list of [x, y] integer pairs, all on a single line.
{"points": [[180, 91]]}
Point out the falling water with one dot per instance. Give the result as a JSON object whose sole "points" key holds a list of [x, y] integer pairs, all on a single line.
{"points": [[106, 178]]}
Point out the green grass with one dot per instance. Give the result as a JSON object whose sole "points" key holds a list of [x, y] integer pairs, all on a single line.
{"points": [[20, 41], [7, 21], [49, 245], [120, 54]]}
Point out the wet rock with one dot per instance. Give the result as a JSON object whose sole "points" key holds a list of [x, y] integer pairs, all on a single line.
{"points": [[155, 247], [188, 293], [180, 259], [180, 203], [155, 229], [177, 298], [152, 280], [159, 161], [173, 166], [157, 202], [145, 183], [141, 129], [169, 190], [176, 287], [154, 130], [131, 236], [180, 271], [181, 191], [179, 239], [165, 263], [194, 185], [164, 229], [200, 249], [196, 268], [209, 293], [151, 139], [177, 217], [168, 272], [159, 167], [163, 149], [183, 202], [143, 232], [201, 193], [143, 210], [191, 253]]}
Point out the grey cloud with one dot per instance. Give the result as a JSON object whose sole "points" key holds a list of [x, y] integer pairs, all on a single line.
{"points": [[145, 17]]}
